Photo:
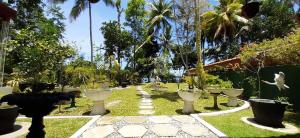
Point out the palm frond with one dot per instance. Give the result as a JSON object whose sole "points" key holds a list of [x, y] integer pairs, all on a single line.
{"points": [[79, 6]]}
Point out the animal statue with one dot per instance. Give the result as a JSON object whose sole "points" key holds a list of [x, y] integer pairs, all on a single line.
{"points": [[279, 81]]}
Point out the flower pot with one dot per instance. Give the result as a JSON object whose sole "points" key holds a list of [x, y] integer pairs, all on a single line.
{"points": [[232, 95], [98, 96], [8, 115], [189, 97], [268, 112]]}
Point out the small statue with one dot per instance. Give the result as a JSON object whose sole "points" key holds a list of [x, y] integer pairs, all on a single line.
{"points": [[279, 81]]}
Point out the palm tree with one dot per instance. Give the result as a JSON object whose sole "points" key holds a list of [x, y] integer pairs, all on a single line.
{"points": [[222, 21], [79, 7], [159, 19]]}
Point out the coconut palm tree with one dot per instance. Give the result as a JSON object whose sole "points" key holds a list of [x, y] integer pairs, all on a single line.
{"points": [[160, 17], [221, 22], [79, 7]]}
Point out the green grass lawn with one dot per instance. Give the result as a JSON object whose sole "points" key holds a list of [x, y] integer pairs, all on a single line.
{"points": [[169, 103], [232, 126], [60, 128], [128, 104]]}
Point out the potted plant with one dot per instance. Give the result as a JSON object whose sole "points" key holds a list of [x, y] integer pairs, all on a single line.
{"points": [[271, 112], [8, 114], [195, 88]]}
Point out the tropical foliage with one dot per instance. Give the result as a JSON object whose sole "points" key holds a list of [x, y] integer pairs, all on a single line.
{"points": [[280, 51]]}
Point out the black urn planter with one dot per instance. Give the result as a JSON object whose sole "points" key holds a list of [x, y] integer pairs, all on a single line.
{"points": [[8, 117], [124, 84], [268, 112], [35, 106]]}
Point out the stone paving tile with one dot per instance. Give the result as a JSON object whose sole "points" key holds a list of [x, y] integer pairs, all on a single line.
{"points": [[134, 119], [146, 101], [133, 131], [99, 132], [108, 120], [164, 130], [160, 119], [184, 119], [146, 107], [146, 104], [146, 112], [194, 130]]}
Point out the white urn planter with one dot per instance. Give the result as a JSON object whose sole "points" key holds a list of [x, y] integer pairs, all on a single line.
{"points": [[232, 95], [189, 97], [98, 96]]}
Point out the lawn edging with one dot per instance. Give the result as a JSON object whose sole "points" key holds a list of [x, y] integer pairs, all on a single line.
{"points": [[246, 105], [209, 126], [79, 132]]}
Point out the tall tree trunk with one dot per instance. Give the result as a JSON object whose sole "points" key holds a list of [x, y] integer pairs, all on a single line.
{"points": [[91, 33]]}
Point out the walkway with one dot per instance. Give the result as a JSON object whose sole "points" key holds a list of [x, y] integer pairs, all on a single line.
{"points": [[146, 107], [177, 126]]}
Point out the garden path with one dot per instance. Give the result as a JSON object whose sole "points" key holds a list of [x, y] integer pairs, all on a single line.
{"points": [[176, 126], [146, 107]]}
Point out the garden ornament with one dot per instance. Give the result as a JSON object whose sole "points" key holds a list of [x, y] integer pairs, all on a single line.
{"points": [[279, 81]]}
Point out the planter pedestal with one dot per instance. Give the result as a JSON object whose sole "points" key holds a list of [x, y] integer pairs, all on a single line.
{"points": [[98, 108], [215, 95], [232, 101], [189, 98], [188, 107], [232, 95], [98, 96]]}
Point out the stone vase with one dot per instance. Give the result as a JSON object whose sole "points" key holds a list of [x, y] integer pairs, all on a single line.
{"points": [[232, 95], [98, 96], [189, 97]]}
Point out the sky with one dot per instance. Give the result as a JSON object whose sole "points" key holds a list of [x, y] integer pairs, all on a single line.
{"points": [[78, 30]]}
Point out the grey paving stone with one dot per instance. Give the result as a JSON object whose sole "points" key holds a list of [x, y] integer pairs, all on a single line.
{"points": [[99, 132], [146, 104], [135, 119], [160, 119], [108, 120], [146, 112], [133, 131], [195, 130], [184, 119], [144, 107], [164, 130]]}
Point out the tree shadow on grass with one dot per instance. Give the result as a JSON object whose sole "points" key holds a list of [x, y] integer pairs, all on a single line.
{"points": [[179, 111], [225, 104], [88, 113], [166, 95], [212, 109]]}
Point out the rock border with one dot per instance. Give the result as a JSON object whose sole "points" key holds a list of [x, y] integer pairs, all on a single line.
{"points": [[290, 129]]}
